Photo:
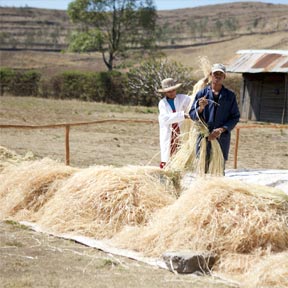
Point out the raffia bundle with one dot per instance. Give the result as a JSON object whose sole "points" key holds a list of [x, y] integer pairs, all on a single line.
{"points": [[215, 215], [25, 188], [184, 159], [99, 201]]}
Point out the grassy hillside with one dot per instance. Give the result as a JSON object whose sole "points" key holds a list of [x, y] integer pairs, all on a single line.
{"points": [[44, 29], [215, 31], [28, 28], [222, 21]]}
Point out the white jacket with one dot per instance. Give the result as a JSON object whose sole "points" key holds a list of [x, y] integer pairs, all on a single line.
{"points": [[167, 118]]}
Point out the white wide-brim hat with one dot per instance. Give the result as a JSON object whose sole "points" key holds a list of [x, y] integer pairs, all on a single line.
{"points": [[168, 84]]}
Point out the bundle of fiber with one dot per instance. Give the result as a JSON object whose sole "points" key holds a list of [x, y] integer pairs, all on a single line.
{"points": [[187, 158], [25, 188], [184, 159], [205, 68], [216, 159], [218, 215], [99, 201]]}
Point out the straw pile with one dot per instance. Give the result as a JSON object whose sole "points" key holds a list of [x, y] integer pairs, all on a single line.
{"points": [[226, 217], [99, 201], [25, 188], [265, 271]]}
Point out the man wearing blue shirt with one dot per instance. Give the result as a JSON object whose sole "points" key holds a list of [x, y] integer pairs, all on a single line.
{"points": [[216, 106]]}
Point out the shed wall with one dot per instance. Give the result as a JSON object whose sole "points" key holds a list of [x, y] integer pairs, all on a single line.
{"points": [[264, 97]]}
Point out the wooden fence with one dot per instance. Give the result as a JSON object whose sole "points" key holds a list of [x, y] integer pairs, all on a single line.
{"points": [[67, 129], [68, 125]]}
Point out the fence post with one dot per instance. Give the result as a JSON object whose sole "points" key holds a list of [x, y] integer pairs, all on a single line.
{"points": [[236, 147], [67, 147]]}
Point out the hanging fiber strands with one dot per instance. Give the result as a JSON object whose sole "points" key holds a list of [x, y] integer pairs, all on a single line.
{"points": [[216, 159], [187, 158]]}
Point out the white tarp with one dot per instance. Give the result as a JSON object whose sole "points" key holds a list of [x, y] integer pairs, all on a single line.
{"points": [[267, 177]]}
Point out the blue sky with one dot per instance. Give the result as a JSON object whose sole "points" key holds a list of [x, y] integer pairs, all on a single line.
{"points": [[160, 4]]}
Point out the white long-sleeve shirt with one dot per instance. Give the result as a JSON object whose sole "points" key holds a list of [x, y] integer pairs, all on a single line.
{"points": [[167, 117]]}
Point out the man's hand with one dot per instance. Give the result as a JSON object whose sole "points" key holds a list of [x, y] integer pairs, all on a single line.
{"points": [[216, 133], [202, 103]]}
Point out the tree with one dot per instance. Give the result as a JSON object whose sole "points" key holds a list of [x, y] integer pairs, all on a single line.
{"points": [[231, 24], [218, 27], [112, 26]]}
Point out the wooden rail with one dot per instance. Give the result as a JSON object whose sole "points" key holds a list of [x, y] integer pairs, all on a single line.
{"points": [[67, 129], [68, 125]]}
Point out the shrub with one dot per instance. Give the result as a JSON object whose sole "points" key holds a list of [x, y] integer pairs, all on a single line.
{"points": [[6, 77], [19, 83], [145, 80], [98, 86]]}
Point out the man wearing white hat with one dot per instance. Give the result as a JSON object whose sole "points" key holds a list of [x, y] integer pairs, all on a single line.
{"points": [[173, 109], [217, 107]]}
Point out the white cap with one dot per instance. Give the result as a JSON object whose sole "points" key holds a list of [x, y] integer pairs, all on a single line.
{"points": [[218, 67]]}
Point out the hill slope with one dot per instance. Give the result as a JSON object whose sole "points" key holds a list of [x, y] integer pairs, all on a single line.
{"points": [[44, 29], [42, 33]]}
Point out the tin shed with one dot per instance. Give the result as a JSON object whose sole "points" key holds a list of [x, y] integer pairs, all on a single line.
{"points": [[264, 91]]}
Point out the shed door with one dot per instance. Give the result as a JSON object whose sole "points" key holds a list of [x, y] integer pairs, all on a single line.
{"points": [[272, 101]]}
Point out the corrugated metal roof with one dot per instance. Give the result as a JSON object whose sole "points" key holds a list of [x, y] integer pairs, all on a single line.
{"points": [[259, 61]]}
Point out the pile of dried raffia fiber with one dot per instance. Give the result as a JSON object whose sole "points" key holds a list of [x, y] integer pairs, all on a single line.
{"points": [[245, 225], [97, 201]]}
